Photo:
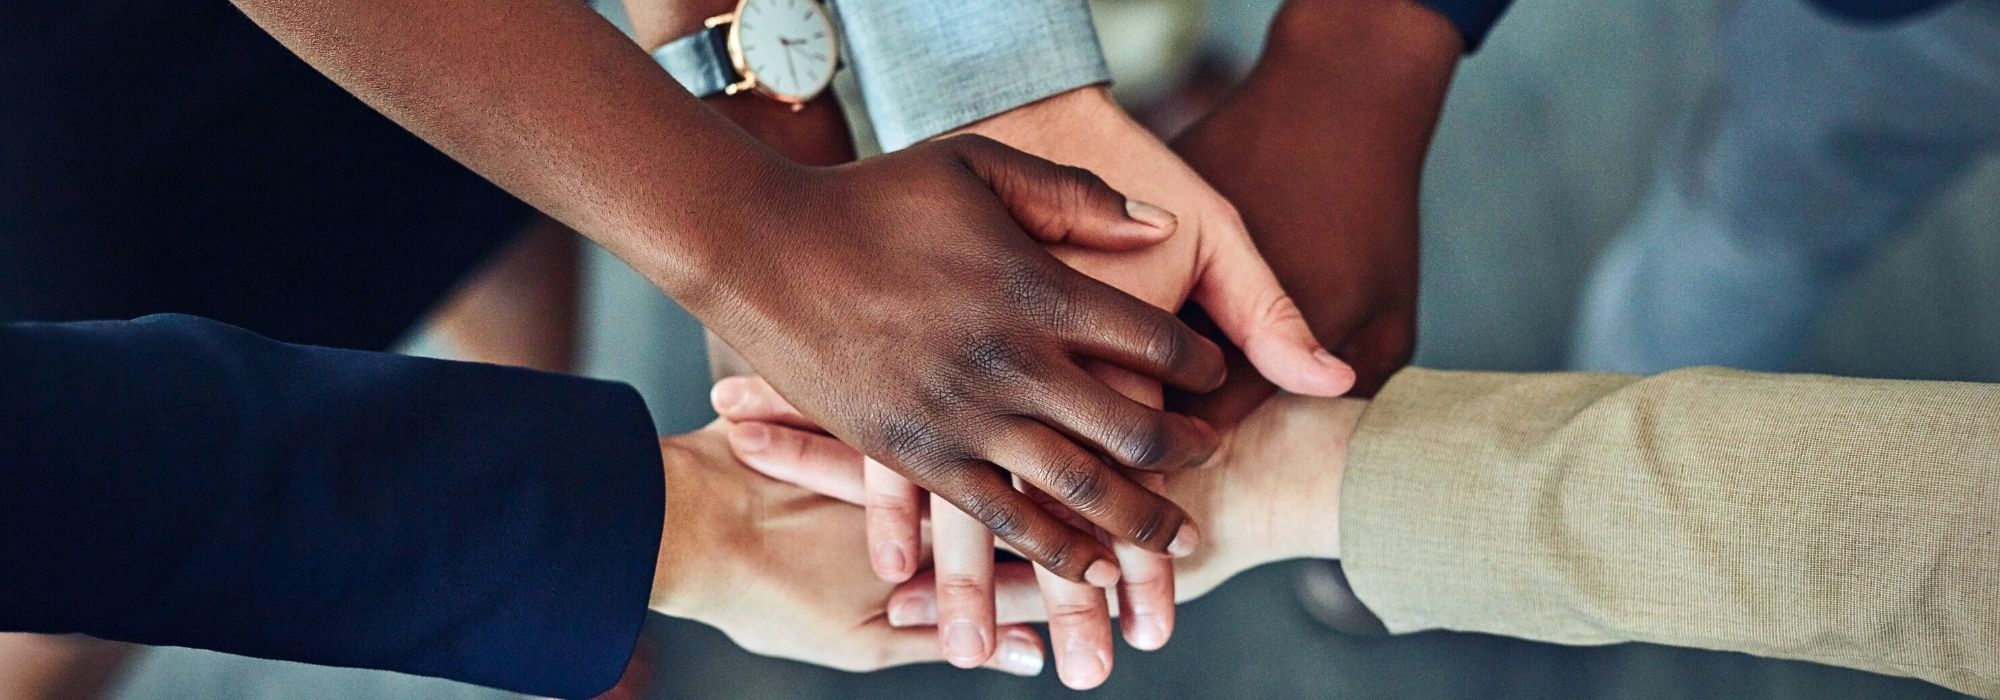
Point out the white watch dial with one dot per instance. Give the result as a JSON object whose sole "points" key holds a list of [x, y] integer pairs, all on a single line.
{"points": [[787, 45]]}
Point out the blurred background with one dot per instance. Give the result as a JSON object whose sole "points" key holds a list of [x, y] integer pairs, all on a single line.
{"points": [[1551, 136]]}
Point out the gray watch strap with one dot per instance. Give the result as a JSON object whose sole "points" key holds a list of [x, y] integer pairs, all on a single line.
{"points": [[700, 61]]}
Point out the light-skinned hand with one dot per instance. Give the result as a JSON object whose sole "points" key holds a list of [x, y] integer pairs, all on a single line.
{"points": [[1273, 493]]}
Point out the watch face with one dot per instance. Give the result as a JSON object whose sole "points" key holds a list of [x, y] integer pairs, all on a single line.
{"points": [[787, 45]]}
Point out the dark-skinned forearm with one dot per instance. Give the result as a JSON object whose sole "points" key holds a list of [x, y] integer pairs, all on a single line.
{"points": [[1377, 68], [550, 101], [1331, 131]]}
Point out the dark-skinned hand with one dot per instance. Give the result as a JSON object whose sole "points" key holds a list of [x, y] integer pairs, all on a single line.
{"points": [[1321, 150], [899, 304]]}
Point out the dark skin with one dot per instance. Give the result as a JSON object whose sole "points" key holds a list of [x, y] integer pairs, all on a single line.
{"points": [[1348, 92], [1321, 151], [865, 293]]}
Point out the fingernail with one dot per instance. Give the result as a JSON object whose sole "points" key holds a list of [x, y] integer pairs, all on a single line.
{"points": [[912, 610], [1185, 541], [1083, 668], [750, 437], [1148, 214], [965, 644], [726, 395], [1020, 654], [890, 562], [1148, 633], [1102, 574]]}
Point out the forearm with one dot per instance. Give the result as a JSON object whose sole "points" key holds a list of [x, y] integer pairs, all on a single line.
{"points": [[548, 100], [1847, 522], [174, 481], [1366, 78]]}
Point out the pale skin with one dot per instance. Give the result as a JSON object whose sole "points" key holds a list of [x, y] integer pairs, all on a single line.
{"points": [[1273, 494], [1210, 259], [757, 557], [1322, 148]]}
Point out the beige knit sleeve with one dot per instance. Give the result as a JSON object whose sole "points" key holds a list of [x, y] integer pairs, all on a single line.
{"points": [[1842, 521]]}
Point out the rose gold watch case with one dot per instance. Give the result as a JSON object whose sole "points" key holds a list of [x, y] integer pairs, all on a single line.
{"points": [[750, 80]]}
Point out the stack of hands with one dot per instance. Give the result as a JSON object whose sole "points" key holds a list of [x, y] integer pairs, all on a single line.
{"points": [[990, 317], [1010, 434], [776, 562]]}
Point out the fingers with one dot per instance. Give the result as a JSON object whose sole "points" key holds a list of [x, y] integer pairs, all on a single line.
{"points": [[1146, 591], [980, 489], [815, 462], [895, 522], [1017, 597], [963, 571], [1079, 624], [1239, 291], [1124, 331], [1019, 650], [1062, 204], [1088, 487], [1133, 434], [740, 399]]}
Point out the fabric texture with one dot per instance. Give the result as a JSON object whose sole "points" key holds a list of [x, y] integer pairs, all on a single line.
{"points": [[927, 67], [1842, 521], [176, 481]]}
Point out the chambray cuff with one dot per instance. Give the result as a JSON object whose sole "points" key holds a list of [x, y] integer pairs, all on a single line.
{"points": [[929, 66]]}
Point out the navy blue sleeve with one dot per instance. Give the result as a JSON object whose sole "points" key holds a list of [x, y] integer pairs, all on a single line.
{"points": [[175, 481], [1473, 18]]}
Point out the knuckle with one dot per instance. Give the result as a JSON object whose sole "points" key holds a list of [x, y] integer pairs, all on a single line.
{"points": [[1280, 309], [995, 358], [1059, 558], [1079, 483], [1165, 344], [893, 506], [1071, 613], [961, 588], [1042, 297], [1141, 441], [922, 449], [1006, 523], [1152, 526]]}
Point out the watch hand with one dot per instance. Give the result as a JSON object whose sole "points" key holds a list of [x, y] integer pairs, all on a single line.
{"points": [[789, 65]]}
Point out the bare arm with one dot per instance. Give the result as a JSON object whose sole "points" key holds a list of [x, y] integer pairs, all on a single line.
{"points": [[624, 156]]}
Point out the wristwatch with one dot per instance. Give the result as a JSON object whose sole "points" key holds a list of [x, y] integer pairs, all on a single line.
{"points": [[782, 49]]}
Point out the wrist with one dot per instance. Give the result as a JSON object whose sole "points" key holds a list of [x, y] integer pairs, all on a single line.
{"points": [[698, 245], [1054, 114], [1307, 446], [678, 588], [816, 134]]}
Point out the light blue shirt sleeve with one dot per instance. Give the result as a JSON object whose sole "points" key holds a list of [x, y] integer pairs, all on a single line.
{"points": [[929, 66]]}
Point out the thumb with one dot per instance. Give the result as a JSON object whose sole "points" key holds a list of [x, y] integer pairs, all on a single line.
{"points": [[1242, 295], [1061, 203]]}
